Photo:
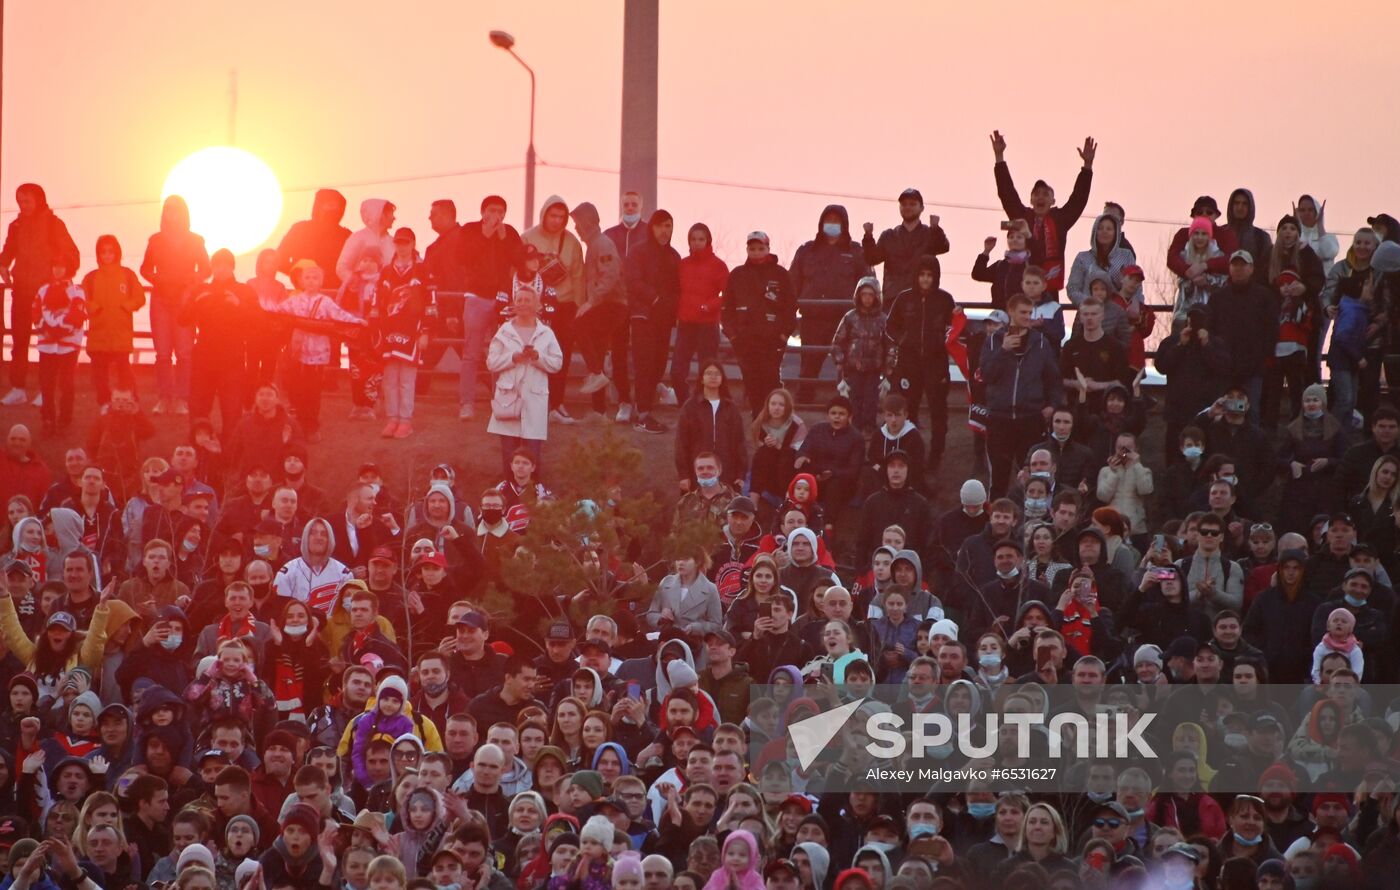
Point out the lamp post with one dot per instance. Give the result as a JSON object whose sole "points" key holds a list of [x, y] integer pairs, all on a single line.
{"points": [[506, 42]]}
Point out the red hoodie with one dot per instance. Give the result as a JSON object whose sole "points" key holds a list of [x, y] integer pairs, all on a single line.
{"points": [[703, 277]]}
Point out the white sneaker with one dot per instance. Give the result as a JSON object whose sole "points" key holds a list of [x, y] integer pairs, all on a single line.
{"points": [[665, 395], [466, 412], [37, 401], [562, 415], [594, 383], [624, 413], [15, 396]]}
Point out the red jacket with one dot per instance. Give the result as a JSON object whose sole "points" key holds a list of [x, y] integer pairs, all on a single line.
{"points": [[703, 276], [29, 477]]}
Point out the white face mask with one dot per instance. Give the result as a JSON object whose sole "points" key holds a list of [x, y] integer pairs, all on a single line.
{"points": [[295, 630]]}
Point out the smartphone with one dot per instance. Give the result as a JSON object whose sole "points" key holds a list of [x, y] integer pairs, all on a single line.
{"points": [[634, 690], [1159, 542], [828, 671], [1006, 225], [1043, 655], [765, 610]]}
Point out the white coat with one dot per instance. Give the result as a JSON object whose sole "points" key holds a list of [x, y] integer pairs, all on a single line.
{"points": [[532, 378]]}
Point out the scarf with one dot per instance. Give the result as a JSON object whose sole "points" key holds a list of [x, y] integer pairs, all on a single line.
{"points": [[289, 685], [1345, 646], [1076, 629], [229, 631], [1021, 257]]}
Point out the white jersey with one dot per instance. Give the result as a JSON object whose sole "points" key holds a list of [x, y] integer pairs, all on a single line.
{"points": [[316, 588]]}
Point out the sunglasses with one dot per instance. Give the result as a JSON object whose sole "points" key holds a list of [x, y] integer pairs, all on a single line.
{"points": [[1108, 823], [1210, 532], [1260, 527]]}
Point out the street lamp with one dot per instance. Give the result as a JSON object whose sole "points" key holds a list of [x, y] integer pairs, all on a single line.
{"points": [[506, 42]]}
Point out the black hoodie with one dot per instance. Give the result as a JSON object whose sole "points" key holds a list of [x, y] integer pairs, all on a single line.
{"points": [[824, 270], [319, 238], [34, 240], [1250, 237], [904, 507]]}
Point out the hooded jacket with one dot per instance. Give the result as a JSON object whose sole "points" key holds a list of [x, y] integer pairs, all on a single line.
{"points": [[114, 295], [902, 250], [653, 278], [375, 234], [563, 246], [702, 279], [164, 667], [319, 239], [33, 240], [903, 507], [602, 266], [1087, 267], [908, 440], [1250, 237], [176, 260], [861, 343], [825, 270], [315, 587], [1049, 234]]}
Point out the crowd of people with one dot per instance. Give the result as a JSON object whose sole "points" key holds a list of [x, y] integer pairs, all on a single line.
{"points": [[219, 676]]}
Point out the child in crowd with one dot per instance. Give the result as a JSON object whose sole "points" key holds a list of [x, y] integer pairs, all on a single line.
{"points": [[114, 296], [60, 314], [1340, 638], [399, 312], [229, 687], [1006, 274], [863, 353], [1200, 248], [357, 296], [833, 452], [592, 869], [802, 495], [1047, 316], [1130, 299], [311, 343], [387, 721], [897, 433]]}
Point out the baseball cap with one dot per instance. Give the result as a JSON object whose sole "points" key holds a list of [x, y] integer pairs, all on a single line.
{"points": [[722, 634], [268, 526], [435, 558], [1265, 721], [560, 631], [1243, 256], [1183, 849], [1133, 270], [742, 504], [912, 193], [197, 491], [1182, 647], [757, 236], [170, 476], [211, 752], [601, 645], [12, 565], [778, 865], [64, 620], [386, 554], [405, 235], [1114, 807], [469, 619]]}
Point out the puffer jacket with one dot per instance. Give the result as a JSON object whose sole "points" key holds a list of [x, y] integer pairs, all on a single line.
{"points": [[822, 270], [760, 306], [861, 342], [702, 279]]}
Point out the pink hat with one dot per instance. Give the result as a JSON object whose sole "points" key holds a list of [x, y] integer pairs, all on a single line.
{"points": [[1202, 224]]}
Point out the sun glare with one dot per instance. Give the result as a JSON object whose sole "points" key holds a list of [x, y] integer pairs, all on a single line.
{"points": [[235, 199]]}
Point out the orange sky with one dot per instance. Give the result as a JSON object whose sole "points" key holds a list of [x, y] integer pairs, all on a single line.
{"points": [[820, 95]]}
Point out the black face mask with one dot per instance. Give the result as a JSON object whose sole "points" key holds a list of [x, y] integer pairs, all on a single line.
{"points": [[492, 516], [260, 591]]}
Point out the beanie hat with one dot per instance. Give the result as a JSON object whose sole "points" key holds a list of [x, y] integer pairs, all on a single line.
{"points": [[590, 781], [1148, 654], [1316, 391], [392, 686], [195, 854], [444, 488], [566, 838], [305, 815], [598, 828], [973, 493], [250, 822], [628, 865], [1202, 224], [681, 674], [1279, 773], [1329, 797], [245, 870], [944, 626]]}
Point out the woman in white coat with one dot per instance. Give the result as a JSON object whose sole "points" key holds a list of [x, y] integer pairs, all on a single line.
{"points": [[522, 355]]}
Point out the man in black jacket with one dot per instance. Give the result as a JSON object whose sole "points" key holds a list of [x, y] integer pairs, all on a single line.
{"points": [[504, 702], [1245, 314], [1356, 466], [894, 504], [653, 288], [1195, 362], [1231, 429], [491, 248], [757, 314], [825, 271], [1074, 461], [903, 247], [918, 323]]}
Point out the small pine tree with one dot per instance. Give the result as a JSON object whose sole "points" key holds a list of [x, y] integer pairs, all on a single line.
{"points": [[594, 546]]}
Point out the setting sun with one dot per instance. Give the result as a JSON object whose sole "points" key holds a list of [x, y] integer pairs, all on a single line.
{"points": [[235, 200]]}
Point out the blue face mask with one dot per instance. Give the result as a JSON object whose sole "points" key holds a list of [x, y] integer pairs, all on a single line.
{"points": [[831, 229], [1100, 796], [1192, 452], [708, 483], [262, 550], [922, 829], [1136, 814], [1037, 506], [991, 661], [982, 810], [1313, 415], [172, 642], [631, 219], [1353, 601], [1246, 842]]}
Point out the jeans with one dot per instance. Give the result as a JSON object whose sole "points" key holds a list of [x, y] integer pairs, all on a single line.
{"points": [[602, 330], [213, 380], [397, 388], [1342, 394], [171, 339], [304, 392], [1290, 371], [510, 443], [563, 327], [479, 321], [761, 368], [865, 398], [694, 340], [649, 344], [21, 329], [56, 373], [106, 363]]}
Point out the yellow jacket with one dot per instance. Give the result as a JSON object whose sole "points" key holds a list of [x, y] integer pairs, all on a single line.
{"points": [[427, 732], [88, 654]]}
